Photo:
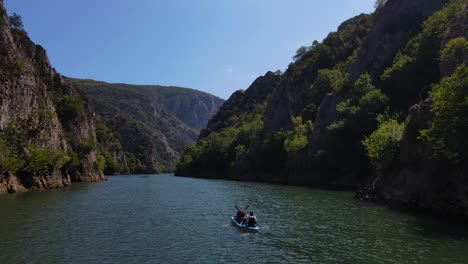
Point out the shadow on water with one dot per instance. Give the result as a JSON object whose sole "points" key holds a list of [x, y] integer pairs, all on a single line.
{"points": [[436, 227], [119, 221]]}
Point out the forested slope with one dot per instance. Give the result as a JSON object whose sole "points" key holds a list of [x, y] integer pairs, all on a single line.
{"points": [[381, 103]]}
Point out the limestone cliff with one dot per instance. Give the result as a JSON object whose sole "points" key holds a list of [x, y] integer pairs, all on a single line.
{"points": [[45, 126]]}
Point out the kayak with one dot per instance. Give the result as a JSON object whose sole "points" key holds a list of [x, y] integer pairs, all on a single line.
{"points": [[244, 226]]}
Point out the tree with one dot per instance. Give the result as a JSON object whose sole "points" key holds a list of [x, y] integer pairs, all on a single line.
{"points": [[16, 21], [379, 4], [300, 52], [449, 125]]}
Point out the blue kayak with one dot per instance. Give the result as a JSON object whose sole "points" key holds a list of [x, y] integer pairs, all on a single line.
{"points": [[244, 226]]}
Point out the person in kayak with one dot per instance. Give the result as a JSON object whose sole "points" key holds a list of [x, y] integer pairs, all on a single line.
{"points": [[240, 215], [250, 220]]}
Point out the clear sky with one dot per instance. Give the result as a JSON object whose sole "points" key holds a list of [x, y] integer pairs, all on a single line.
{"points": [[217, 46]]}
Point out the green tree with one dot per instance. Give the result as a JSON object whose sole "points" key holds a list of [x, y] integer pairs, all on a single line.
{"points": [[455, 53], [448, 128], [16, 22], [300, 53], [296, 139], [379, 4], [383, 145]]}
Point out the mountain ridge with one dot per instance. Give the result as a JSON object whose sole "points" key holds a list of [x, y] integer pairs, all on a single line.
{"points": [[167, 117]]}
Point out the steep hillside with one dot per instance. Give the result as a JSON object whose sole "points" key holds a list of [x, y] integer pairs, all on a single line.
{"points": [[424, 166], [192, 107], [143, 123], [47, 130], [342, 115]]}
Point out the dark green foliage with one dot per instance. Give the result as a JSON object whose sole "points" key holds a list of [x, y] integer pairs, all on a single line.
{"points": [[16, 22], [310, 112], [217, 152], [296, 140], [454, 54], [101, 162], [367, 125], [358, 112], [356, 118], [317, 71], [41, 160], [71, 109], [9, 161], [11, 145], [2, 14], [85, 147], [300, 52], [109, 147], [134, 164], [383, 145], [336, 48], [73, 160], [449, 127], [328, 81], [20, 157], [420, 60]]}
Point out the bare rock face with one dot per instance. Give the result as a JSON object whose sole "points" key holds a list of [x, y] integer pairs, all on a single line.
{"points": [[395, 23], [27, 83], [326, 115]]}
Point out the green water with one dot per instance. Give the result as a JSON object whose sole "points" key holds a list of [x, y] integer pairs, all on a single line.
{"points": [[167, 219]]}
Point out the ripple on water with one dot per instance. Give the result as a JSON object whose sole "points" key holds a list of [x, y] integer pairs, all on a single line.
{"points": [[166, 219]]}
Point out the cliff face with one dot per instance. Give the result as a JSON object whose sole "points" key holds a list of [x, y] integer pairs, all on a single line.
{"points": [[418, 180], [194, 108], [395, 23], [150, 124], [338, 117], [419, 177], [40, 133]]}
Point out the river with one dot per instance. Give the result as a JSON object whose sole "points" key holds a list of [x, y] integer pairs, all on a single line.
{"points": [[168, 219]]}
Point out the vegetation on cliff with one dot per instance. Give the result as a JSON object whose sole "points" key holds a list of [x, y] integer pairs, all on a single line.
{"points": [[343, 112], [47, 134], [142, 129]]}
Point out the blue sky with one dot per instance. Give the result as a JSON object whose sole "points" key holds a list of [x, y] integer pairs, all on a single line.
{"points": [[217, 46]]}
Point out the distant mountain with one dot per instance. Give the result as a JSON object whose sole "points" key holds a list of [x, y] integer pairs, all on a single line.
{"points": [[192, 107], [151, 124]]}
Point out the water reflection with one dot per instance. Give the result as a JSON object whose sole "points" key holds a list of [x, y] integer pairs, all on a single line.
{"points": [[154, 219]]}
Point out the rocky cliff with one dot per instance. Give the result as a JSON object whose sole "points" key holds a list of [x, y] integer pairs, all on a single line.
{"points": [[342, 114], [47, 130], [428, 172]]}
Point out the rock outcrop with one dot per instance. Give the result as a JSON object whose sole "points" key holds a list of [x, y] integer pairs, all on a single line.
{"points": [[395, 23], [39, 128]]}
